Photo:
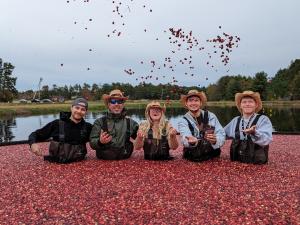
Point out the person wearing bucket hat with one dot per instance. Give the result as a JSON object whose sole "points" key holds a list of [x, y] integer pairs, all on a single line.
{"points": [[69, 134], [111, 134], [251, 132], [202, 134], [156, 135]]}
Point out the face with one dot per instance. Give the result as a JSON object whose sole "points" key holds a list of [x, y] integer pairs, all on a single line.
{"points": [[155, 114], [193, 103], [115, 106], [78, 112], [248, 105]]}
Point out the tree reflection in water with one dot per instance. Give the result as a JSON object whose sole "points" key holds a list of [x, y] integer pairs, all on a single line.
{"points": [[6, 133], [284, 120]]}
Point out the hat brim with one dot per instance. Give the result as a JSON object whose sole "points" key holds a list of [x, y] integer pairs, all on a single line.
{"points": [[157, 107], [106, 98], [254, 95]]}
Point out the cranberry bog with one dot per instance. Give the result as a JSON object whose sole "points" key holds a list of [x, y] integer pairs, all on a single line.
{"points": [[136, 191]]}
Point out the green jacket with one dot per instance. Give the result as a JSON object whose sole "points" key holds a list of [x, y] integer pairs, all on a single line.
{"points": [[117, 129]]}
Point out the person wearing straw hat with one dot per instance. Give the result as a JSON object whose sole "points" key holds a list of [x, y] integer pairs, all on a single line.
{"points": [[251, 132], [69, 134], [110, 135], [202, 134], [156, 135]]}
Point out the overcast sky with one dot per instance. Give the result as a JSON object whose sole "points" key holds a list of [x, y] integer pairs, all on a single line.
{"points": [[68, 43]]}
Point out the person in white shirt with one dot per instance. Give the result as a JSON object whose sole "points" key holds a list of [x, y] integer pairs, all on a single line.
{"points": [[251, 132], [201, 132]]}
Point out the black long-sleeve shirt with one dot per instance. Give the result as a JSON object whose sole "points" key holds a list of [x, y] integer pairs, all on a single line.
{"points": [[75, 133]]}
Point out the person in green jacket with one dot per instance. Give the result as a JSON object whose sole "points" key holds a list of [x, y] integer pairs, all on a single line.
{"points": [[110, 135]]}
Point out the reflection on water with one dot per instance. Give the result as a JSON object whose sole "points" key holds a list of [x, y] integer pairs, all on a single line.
{"points": [[6, 126], [19, 128]]}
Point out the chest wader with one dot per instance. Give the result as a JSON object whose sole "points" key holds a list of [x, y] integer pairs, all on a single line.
{"points": [[116, 153], [247, 151], [203, 150], [62, 152], [156, 149]]}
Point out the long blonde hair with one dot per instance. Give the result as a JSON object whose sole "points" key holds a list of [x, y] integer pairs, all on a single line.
{"points": [[161, 125]]}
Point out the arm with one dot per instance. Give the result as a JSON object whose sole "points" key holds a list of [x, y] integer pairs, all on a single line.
{"points": [[219, 131], [139, 140], [95, 134], [230, 128], [134, 128], [263, 132], [184, 132], [141, 133], [40, 135], [172, 139], [44, 133]]}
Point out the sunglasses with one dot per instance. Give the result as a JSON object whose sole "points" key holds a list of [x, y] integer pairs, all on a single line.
{"points": [[155, 109], [116, 101]]}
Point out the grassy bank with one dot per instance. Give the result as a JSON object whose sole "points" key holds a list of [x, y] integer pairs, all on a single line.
{"points": [[7, 109]]}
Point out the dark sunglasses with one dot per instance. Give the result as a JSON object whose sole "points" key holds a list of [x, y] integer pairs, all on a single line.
{"points": [[116, 101]]}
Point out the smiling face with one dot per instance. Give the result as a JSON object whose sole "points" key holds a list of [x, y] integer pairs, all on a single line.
{"points": [[77, 112], [155, 114], [115, 106], [193, 104], [248, 105]]}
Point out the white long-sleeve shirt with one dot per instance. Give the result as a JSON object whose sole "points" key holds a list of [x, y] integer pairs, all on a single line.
{"points": [[212, 121], [263, 131]]}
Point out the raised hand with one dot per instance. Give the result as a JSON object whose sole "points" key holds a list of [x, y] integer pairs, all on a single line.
{"points": [[36, 149], [191, 140], [105, 138], [172, 131], [211, 137], [250, 130]]}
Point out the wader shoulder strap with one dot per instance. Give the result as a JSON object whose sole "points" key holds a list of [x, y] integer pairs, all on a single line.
{"points": [[61, 127], [254, 123], [127, 129], [237, 129], [150, 133], [205, 120], [255, 120], [190, 126], [104, 124], [164, 130]]}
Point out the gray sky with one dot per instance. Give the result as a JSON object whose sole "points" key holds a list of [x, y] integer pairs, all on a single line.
{"points": [[38, 36]]}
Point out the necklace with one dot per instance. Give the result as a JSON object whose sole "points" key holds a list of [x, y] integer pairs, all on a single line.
{"points": [[248, 124]]}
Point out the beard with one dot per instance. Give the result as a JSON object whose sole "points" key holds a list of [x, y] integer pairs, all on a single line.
{"points": [[77, 118]]}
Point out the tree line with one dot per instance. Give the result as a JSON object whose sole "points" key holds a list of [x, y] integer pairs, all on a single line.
{"points": [[285, 85]]}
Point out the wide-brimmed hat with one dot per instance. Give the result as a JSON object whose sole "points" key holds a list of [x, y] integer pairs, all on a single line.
{"points": [[251, 94], [197, 93], [155, 104], [115, 94]]}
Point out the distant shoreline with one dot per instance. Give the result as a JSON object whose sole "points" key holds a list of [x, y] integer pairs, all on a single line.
{"points": [[14, 109]]}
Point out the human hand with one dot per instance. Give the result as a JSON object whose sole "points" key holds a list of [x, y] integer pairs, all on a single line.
{"points": [[191, 140], [172, 132], [34, 148], [140, 134], [211, 137], [105, 138], [250, 130]]}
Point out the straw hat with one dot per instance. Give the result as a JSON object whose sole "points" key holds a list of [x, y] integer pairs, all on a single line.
{"points": [[115, 94], [197, 93], [155, 104], [251, 94]]}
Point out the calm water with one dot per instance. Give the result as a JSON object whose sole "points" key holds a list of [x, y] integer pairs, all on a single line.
{"points": [[18, 128]]}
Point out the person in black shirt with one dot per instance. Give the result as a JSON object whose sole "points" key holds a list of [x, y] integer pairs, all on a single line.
{"points": [[69, 135]]}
